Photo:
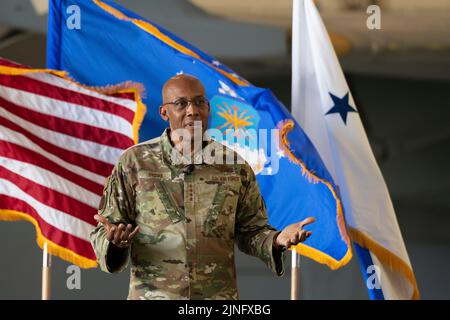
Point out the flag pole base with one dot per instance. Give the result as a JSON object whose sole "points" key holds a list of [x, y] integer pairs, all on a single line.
{"points": [[295, 275], [46, 273]]}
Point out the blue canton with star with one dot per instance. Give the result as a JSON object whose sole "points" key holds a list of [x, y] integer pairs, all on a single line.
{"points": [[341, 106]]}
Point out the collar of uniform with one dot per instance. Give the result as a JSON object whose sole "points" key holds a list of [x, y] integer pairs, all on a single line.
{"points": [[173, 157]]}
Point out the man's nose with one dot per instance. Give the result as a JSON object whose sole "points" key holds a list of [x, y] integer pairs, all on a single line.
{"points": [[192, 110]]}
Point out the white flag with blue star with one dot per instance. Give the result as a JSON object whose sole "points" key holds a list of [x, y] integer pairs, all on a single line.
{"points": [[324, 107]]}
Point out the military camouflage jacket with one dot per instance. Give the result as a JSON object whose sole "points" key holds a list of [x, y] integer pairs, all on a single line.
{"points": [[188, 222]]}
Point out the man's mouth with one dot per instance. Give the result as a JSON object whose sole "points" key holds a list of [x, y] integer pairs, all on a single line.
{"points": [[193, 124]]}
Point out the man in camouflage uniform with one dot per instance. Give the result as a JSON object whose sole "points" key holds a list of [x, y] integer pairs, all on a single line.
{"points": [[186, 215]]}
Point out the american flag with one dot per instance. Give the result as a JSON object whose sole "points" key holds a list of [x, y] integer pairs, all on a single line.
{"points": [[59, 141]]}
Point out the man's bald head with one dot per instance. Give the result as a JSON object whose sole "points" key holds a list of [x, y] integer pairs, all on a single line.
{"points": [[180, 81]]}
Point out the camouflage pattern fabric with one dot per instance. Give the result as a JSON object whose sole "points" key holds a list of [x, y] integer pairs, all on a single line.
{"points": [[188, 222]]}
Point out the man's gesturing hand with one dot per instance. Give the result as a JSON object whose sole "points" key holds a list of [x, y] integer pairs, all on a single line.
{"points": [[294, 233], [121, 235]]}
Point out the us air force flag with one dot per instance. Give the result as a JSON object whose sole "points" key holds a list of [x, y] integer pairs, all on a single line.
{"points": [[324, 107]]}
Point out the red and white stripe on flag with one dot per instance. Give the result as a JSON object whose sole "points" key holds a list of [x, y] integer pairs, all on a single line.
{"points": [[59, 141]]}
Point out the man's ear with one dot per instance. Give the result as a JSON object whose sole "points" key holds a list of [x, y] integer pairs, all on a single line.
{"points": [[163, 113]]}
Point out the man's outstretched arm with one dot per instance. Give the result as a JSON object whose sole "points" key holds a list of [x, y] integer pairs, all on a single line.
{"points": [[114, 233], [256, 237]]}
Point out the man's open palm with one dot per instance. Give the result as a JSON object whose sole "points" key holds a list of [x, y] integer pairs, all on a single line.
{"points": [[294, 233], [120, 235]]}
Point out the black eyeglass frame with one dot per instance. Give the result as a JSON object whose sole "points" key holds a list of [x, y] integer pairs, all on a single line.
{"points": [[189, 101]]}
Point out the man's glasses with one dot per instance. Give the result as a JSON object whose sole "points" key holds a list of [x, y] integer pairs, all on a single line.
{"points": [[183, 103]]}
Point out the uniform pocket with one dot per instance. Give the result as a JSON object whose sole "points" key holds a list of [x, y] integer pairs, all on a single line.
{"points": [[155, 209], [167, 197], [220, 220]]}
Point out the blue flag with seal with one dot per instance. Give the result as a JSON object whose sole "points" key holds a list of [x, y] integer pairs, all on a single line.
{"points": [[109, 44]]}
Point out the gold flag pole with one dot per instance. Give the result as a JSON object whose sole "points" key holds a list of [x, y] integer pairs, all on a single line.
{"points": [[46, 274]]}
